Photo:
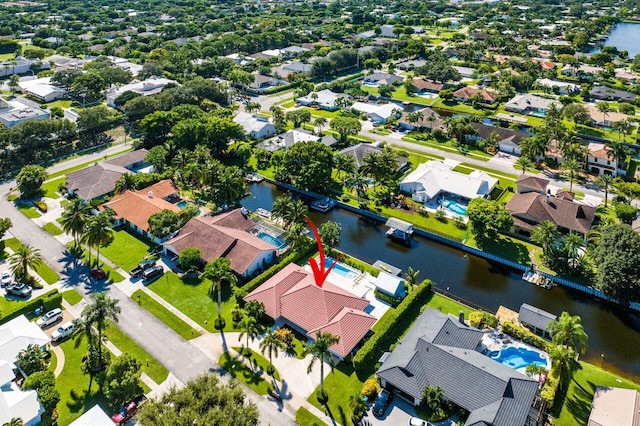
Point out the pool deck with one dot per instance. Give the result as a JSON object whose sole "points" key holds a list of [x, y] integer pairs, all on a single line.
{"points": [[494, 341]]}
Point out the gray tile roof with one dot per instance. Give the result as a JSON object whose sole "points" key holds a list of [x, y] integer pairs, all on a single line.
{"points": [[530, 315], [360, 150], [440, 351]]}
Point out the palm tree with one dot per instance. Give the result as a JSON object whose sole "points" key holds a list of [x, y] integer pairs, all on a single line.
{"points": [[605, 182], [572, 167], [617, 151], [359, 183], [219, 270], [571, 244], [15, 421], [297, 213], [319, 351], [296, 236], [604, 108], [344, 164], [523, 163], [564, 362], [98, 232], [74, 218], [411, 277], [373, 166], [545, 234], [102, 309], [281, 206], [567, 330], [250, 328], [230, 186], [534, 147], [320, 123], [272, 344], [22, 259], [433, 397]]}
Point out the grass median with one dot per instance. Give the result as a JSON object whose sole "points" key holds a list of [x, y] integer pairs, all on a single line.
{"points": [[170, 319]]}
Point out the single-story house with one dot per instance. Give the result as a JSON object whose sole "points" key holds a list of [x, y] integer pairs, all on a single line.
{"points": [[605, 93], [627, 76], [21, 65], [422, 85], [134, 208], [443, 351], [360, 150], [378, 113], [615, 407], [292, 51], [508, 140], [583, 71], [562, 87], [467, 94], [433, 178], [387, 31], [256, 126], [263, 82], [239, 59], [151, 86], [526, 103], [382, 79], [224, 235], [292, 296], [15, 112], [465, 72], [100, 179], [297, 67], [598, 160], [325, 99], [391, 285], [291, 137], [411, 64], [429, 119], [42, 89], [601, 119], [535, 319], [95, 416]]}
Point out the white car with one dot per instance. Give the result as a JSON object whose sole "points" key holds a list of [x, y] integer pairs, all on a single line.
{"points": [[50, 317], [6, 278], [414, 421], [62, 332]]}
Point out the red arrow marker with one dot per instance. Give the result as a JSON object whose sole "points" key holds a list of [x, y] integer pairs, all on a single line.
{"points": [[319, 272]]}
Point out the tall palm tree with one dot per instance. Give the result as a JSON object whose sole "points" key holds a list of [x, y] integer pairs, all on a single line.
{"points": [[219, 270], [297, 213], [98, 232], [567, 330], [571, 244], [102, 309], [523, 163], [296, 236], [74, 218], [373, 166], [359, 183], [604, 108], [605, 182], [572, 167], [320, 123], [319, 351], [281, 206], [271, 343], [230, 186], [433, 397], [344, 164], [249, 328], [15, 421], [564, 362], [545, 234], [411, 276], [22, 259], [617, 151]]}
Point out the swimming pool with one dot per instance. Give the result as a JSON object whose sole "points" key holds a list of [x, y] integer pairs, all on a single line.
{"points": [[454, 207], [340, 269], [518, 357], [182, 204], [276, 241]]}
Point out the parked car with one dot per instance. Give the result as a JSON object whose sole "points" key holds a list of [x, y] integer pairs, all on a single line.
{"points": [[381, 403], [19, 289], [152, 273], [98, 273], [6, 278], [50, 317], [128, 410], [414, 421], [137, 271], [62, 332]]}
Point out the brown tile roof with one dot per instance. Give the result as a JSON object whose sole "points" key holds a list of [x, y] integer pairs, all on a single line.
{"points": [[424, 84], [222, 236], [137, 206], [598, 150], [532, 182], [469, 92], [95, 181], [293, 295], [129, 158], [506, 135], [533, 209]]}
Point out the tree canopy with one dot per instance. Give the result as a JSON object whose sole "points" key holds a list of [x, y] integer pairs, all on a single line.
{"points": [[488, 217]]}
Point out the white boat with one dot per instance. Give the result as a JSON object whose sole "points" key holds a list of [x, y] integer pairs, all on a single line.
{"points": [[253, 177], [324, 204], [264, 213]]}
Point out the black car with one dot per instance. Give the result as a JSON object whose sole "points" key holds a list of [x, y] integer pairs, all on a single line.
{"points": [[152, 273], [381, 403], [137, 271]]}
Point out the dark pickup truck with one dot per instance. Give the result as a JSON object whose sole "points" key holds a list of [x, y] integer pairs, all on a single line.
{"points": [[128, 410], [137, 271]]}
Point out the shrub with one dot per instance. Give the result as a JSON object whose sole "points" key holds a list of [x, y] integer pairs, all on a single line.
{"points": [[49, 300], [345, 198], [441, 216], [41, 205], [459, 223], [481, 319], [370, 389], [525, 335], [548, 392], [390, 300]]}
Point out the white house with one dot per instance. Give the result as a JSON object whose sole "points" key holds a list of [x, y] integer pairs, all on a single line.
{"points": [[256, 126], [562, 87], [21, 66], [391, 285], [325, 99], [526, 103], [377, 113], [150, 86], [387, 31], [599, 162], [435, 177], [42, 89], [95, 416], [14, 112]]}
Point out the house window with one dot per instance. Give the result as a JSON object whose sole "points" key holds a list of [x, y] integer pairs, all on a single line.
{"points": [[608, 163]]}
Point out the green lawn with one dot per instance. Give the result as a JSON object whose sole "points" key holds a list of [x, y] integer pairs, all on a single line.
{"points": [[29, 211], [52, 229], [255, 377], [112, 275], [71, 296], [126, 250], [322, 113], [88, 163], [43, 270], [9, 306], [62, 103], [459, 107], [163, 314], [150, 365], [306, 418], [448, 146], [576, 405], [49, 188]]}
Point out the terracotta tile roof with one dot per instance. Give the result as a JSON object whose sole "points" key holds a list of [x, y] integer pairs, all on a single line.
{"points": [[469, 92], [598, 150], [292, 294], [137, 206], [351, 325], [424, 84], [533, 208], [532, 182]]}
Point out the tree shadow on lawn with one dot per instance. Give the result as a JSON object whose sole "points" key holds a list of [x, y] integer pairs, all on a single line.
{"points": [[505, 247], [81, 401], [579, 404]]}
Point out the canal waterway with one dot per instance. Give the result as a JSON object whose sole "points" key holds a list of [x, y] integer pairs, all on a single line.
{"points": [[625, 36], [614, 334]]}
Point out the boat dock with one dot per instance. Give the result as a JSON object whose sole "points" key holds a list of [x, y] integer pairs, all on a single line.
{"points": [[531, 276], [383, 266], [399, 230]]}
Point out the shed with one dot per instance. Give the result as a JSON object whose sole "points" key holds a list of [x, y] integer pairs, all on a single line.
{"points": [[390, 284], [535, 319]]}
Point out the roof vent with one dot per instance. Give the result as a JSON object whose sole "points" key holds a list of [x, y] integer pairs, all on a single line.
{"points": [[548, 198], [150, 194], [461, 316]]}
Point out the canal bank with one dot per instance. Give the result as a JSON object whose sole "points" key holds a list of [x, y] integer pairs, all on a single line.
{"points": [[613, 333]]}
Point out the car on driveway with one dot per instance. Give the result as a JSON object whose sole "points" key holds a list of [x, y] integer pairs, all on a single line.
{"points": [[98, 273], [381, 403], [415, 421], [128, 410], [142, 266], [152, 273], [62, 332], [19, 289], [6, 278], [50, 317]]}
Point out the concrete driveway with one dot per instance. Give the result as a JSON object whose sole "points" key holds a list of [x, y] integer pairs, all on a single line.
{"points": [[398, 413]]}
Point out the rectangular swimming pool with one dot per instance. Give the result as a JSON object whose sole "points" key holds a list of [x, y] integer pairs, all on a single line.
{"points": [[275, 241], [340, 269]]}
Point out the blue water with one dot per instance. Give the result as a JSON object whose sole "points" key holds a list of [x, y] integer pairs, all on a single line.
{"points": [[339, 268], [278, 242], [540, 114], [516, 358], [458, 209], [625, 37], [182, 204]]}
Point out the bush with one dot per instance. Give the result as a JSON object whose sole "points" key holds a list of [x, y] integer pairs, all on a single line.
{"points": [[380, 341], [41, 205], [459, 223], [345, 198], [548, 392], [322, 396], [49, 300], [481, 319], [219, 323], [390, 300], [370, 389], [525, 335]]}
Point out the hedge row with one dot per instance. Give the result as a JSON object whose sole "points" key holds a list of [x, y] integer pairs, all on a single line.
{"points": [[293, 256], [549, 390], [525, 335], [389, 300], [374, 347], [50, 300]]}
